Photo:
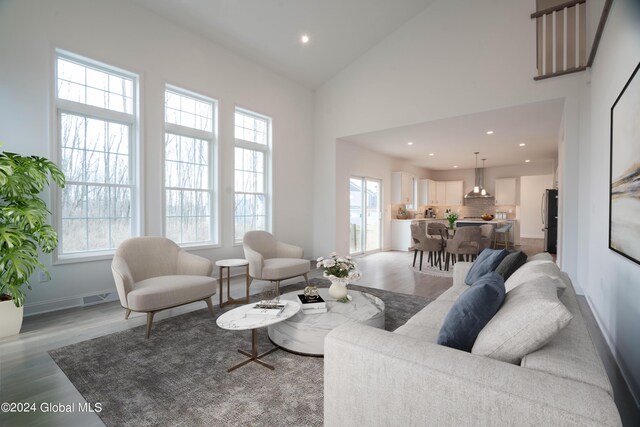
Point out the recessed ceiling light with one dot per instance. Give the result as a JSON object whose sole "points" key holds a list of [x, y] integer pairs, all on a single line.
{"points": [[522, 144], [489, 132], [409, 143], [304, 39], [455, 166], [432, 154], [527, 161]]}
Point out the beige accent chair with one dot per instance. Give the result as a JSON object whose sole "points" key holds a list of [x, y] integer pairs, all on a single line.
{"points": [[154, 273], [272, 260]]}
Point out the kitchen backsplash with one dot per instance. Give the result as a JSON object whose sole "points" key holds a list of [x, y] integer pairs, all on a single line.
{"points": [[472, 208]]}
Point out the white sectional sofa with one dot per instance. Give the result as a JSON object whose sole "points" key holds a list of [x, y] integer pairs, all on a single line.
{"points": [[374, 377]]}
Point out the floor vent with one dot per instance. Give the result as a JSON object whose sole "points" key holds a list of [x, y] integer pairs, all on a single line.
{"points": [[100, 298]]}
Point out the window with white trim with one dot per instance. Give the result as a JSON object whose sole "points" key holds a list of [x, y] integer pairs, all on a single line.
{"points": [[252, 164], [96, 115], [189, 162]]}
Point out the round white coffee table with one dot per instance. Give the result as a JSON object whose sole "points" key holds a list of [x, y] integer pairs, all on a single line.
{"points": [[238, 320], [305, 333]]}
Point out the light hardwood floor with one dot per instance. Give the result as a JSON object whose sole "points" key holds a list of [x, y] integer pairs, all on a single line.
{"points": [[28, 374]]}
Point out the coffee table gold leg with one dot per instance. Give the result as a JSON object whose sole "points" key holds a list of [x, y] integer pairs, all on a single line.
{"points": [[253, 356]]}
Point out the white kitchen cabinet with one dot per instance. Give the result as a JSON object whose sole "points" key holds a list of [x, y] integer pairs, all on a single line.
{"points": [[505, 191], [441, 193], [423, 192], [453, 193], [400, 234], [402, 188], [433, 190]]}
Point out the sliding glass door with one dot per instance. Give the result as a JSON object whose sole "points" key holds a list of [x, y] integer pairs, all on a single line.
{"points": [[365, 215]]}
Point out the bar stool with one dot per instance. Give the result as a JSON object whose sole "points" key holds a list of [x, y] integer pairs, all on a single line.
{"points": [[500, 233]]}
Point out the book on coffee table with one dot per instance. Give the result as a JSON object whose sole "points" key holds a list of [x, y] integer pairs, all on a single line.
{"points": [[314, 310], [311, 302], [260, 310]]}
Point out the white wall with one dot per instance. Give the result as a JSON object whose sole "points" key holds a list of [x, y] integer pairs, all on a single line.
{"points": [[354, 160], [122, 34], [455, 58], [610, 281], [531, 191]]}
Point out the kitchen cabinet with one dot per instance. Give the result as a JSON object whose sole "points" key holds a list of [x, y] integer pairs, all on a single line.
{"points": [[453, 193], [505, 191], [401, 234], [402, 189], [440, 193], [433, 187], [423, 192]]}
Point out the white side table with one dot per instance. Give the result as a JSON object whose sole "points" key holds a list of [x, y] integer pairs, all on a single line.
{"points": [[238, 320], [226, 265]]}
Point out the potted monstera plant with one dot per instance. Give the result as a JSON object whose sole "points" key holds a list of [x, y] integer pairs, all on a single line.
{"points": [[23, 230]]}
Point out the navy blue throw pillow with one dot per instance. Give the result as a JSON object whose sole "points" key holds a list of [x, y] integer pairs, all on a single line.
{"points": [[471, 312], [486, 262]]}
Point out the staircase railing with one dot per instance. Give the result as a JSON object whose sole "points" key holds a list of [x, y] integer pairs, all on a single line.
{"points": [[561, 39]]}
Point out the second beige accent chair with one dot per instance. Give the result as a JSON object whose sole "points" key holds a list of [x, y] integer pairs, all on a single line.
{"points": [[154, 273], [272, 260]]}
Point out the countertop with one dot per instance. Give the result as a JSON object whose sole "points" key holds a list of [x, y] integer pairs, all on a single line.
{"points": [[419, 219], [480, 221]]}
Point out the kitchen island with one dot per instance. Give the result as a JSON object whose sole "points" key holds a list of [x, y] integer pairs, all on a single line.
{"points": [[401, 229], [514, 233]]}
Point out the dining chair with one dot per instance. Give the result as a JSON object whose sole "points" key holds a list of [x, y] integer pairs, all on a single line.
{"points": [[465, 242], [422, 243]]}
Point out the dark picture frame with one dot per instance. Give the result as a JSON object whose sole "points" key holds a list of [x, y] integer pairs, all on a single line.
{"points": [[624, 171]]}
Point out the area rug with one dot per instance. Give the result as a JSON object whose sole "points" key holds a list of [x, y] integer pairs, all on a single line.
{"points": [[433, 271], [179, 376]]}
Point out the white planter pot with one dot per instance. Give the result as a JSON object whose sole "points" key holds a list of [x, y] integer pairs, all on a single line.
{"points": [[10, 319]]}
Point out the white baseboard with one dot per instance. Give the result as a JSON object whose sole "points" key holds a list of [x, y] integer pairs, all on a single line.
{"points": [[607, 337], [532, 236], [83, 300]]}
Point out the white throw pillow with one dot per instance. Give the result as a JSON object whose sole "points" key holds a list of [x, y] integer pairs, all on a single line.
{"points": [[530, 317], [531, 270]]}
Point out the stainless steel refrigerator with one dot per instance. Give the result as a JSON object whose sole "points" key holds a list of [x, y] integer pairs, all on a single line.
{"points": [[549, 212]]}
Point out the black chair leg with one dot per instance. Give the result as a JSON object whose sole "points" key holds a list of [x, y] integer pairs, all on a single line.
{"points": [[421, 254], [415, 255]]}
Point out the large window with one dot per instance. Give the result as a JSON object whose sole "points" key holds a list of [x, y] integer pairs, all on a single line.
{"points": [[251, 166], [96, 113], [189, 164]]}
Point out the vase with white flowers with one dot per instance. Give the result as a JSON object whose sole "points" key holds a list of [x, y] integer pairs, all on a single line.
{"points": [[340, 271]]}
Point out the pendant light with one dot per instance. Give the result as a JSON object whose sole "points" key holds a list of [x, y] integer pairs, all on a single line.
{"points": [[483, 192], [476, 186]]}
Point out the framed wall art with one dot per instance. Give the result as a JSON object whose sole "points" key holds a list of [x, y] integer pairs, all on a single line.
{"points": [[624, 197]]}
